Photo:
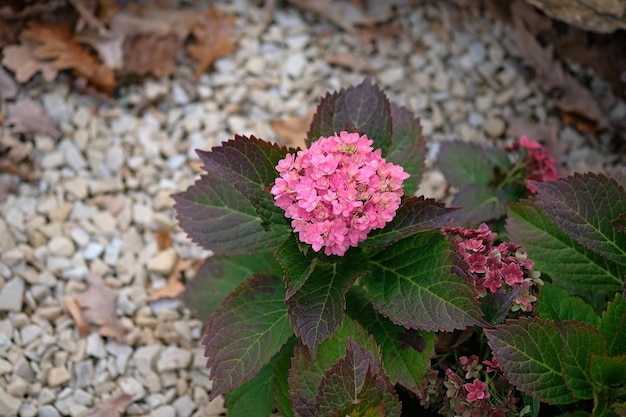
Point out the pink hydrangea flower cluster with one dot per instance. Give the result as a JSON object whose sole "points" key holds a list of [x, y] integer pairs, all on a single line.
{"points": [[538, 161], [465, 389], [494, 268], [338, 190]]}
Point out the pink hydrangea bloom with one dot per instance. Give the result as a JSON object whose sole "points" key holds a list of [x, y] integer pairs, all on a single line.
{"points": [[539, 163], [492, 268], [338, 190], [476, 390]]}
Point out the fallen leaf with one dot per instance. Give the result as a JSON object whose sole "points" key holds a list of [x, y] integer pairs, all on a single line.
{"points": [[213, 39], [22, 61], [151, 54], [293, 130], [164, 239], [55, 42], [113, 406], [348, 61], [575, 98], [110, 46], [98, 305], [28, 117], [74, 309], [9, 184], [8, 86], [546, 133], [9, 32], [173, 286], [150, 18], [16, 157], [31, 10]]}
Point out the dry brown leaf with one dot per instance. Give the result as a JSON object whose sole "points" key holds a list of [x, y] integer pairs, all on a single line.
{"points": [[113, 406], [151, 54], [293, 130], [213, 39], [31, 10], [28, 117], [174, 286], [151, 18], [98, 306], [74, 309], [110, 46], [575, 98], [354, 63], [16, 157], [164, 239], [55, 42], [22, 61], [8, 86]]}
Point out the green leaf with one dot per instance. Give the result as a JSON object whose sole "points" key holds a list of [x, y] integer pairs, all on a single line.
{"points": [[219, 275], [317, 308], [408, 148], [297, 266], [584, 206], [411, 283], [545, 359], [247, 329], [464, 163], [218, 217], [281, 379], [250, 165], [406, 353], [254, 398], [414, 214], [608, 370], [578, 269], [479, 203], [306, 372], [613, 326], [556, 304], [356, 382], [363, 108], [579, 340], [530, 352]]}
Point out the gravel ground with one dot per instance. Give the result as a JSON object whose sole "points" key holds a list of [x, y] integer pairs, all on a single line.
{"points": [[103, 204]]}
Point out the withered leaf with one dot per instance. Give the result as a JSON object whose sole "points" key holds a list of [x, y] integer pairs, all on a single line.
{"points": [[293, 130], [174, 285], [98, 306], [110, 46], [22, 61], [113, 406], [575, 98], [8, 86], [151, 54], [27, 117], [55, 42], [31, 10], [213, 39]]}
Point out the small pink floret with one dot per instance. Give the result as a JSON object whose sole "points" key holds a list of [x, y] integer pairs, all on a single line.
{"points": [[337, 191]]}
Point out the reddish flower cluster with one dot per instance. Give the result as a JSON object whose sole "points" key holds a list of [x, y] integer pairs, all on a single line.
{"points": [[538, 161], [496, 268], [472, 395], [338, 190]]}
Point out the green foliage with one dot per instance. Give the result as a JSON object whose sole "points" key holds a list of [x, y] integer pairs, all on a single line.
{"points": [[310, 334]]}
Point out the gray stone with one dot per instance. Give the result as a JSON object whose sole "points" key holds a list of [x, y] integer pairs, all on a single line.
{"points": [[28, 410], [58, 375], [163, 411], [173, 358], [295, 64], [132, 387], [73, 156], [144, 358], [83, 373], [48, 411], [494, 126], [95, 346], [9, 405], [602, 16], [184, 406], [93, 251], [12, 295]]}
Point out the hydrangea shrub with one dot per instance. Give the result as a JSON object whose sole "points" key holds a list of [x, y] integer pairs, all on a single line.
{"points": [[333, 290]]}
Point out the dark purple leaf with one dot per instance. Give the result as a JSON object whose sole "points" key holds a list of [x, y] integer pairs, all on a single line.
{"points": [[464, 163], [306, 373], [317, 308], [408, 148], [413, 215], [247, 329], [249, 164], [356, 382], [218, 217], [583, 206], [479, 203], [297, 266], [363, 108]]}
